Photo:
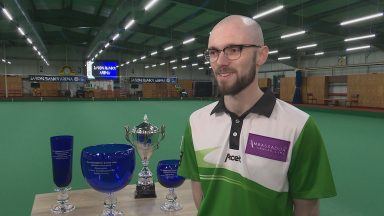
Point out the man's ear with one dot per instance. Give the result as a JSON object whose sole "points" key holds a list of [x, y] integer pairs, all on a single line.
{"points": [[263, 55]]}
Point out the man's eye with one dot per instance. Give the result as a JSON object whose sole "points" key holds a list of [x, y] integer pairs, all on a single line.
{"points": [[213, 52], [233, 49]]}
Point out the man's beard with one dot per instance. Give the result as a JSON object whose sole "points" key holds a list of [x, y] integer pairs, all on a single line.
{"points": [[241, 82]]}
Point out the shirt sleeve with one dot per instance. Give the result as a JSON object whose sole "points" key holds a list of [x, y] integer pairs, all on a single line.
{"points": [[310, 175], [188, 165]]}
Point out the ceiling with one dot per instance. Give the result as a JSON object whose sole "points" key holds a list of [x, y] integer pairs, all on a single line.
{"points": [[92, 23]]}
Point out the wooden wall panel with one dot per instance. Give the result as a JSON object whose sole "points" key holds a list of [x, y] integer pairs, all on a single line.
{"points": [[317, 85], [287, 88], [370, 88], [265, 82]]}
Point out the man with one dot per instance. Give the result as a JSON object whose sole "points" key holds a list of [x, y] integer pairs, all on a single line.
{"points": [[250, 153]]}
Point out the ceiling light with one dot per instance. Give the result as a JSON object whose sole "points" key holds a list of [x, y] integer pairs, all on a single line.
{"points": [[150, 4], [273, 51], [127, 62], [117, 35], [7, 14], [143, 57], [183, 66], [358, 48], [268, 12], [34, 48], [361, 19], [97, 54], [9, 62], [134, 60], [146, 66], [168, 48], [200, 68], [185, 58], [38, 53], [194, 64], [107, 45], [173, 61], [153, 53], [284, 58], [121, 65], [319, 53], [360, 37], [200, 55], [292, 34], [21, 31], [174, 68], [207, 62], [163, 63], [306, 46], [129, 24], [154, 65], [29, 40], [100, 51], [189, 40]]}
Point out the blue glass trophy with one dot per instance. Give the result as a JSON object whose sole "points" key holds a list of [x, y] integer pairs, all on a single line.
{"points": [[108, 168], [61, 153], [167, 177]]}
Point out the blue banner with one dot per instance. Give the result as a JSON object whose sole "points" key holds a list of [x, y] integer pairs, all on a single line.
{"points": [[38, 78], [153, 80]]}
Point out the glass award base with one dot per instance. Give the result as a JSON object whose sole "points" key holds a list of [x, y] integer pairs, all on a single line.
{"points": [[145, 191], [62, 208]]}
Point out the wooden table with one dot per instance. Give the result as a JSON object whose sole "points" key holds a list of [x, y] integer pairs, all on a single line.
{"points": [[90, 202]]}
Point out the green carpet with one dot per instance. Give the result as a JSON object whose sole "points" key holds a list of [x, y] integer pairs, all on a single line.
{"points": [[354, 144]]}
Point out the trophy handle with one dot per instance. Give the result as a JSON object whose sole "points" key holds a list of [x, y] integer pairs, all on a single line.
{"points": [[127, 133]]}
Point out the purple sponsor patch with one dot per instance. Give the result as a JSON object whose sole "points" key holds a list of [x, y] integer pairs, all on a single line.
{"points": [[267, 147]]}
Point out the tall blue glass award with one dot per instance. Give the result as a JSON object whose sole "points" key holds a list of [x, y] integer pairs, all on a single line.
{"points": [[61, 153], [108, 168], [167, 177]]}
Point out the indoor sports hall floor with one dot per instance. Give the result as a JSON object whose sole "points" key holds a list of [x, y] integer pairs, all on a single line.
{"points": [[354, 140]]}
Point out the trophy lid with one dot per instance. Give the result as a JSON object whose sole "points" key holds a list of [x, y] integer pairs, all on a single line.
{"points": [[145, 127]]}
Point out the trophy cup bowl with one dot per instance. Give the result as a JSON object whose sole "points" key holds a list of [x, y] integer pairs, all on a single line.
{"points": [[146, 138], [61, 154], [167, 176], [108, 168]]}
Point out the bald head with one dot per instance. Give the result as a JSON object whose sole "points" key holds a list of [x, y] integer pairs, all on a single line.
{"points": [[239, 29]]}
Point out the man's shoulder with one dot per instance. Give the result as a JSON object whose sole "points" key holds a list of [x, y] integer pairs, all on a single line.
{"points": [[203, 112], [290, 112]]}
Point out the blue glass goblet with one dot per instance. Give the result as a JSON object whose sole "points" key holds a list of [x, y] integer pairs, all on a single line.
{"points": [[167, 177], [108, 168], [61, 153]]}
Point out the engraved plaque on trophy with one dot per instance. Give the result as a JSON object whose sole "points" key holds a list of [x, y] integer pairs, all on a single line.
{"points": [[146, 138]]}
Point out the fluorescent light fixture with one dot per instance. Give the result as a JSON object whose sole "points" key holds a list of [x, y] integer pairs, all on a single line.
{"points": [[162, 63], [199, 55], [100, 51], [185, 58], [129, 24], [207, 62], [127, 62], [273, 51], [3, 60], [358, 48], [134, 60], [174, 68], [168, 48], [319, 53], [268, 12], [154, 65], [173, 61], [150, 4], [121, 65], [284, 58], [21, 31], [9, 62], [97, 54], [361, 19], [29, 40], [38, 53], [146, 66], [7, 14], [360, 37], [117, 35], [200, 68], [107, 45], [183, 66], [92, 59], [306, 46], [190, 40], [34, 48], [117, 66], [143, 57], [210, 67], [153, 53], [292, 34], [194, 64]]}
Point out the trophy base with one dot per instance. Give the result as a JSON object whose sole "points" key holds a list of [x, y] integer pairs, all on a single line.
{"points": [[145, 191]]}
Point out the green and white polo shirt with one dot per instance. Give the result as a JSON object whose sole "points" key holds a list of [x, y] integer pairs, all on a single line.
{"points": [[255, 164]]}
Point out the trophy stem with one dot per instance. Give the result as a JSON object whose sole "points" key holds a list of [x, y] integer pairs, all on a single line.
{"points": [[145, 175], [171, 204], [110, 203], [62, 205]]}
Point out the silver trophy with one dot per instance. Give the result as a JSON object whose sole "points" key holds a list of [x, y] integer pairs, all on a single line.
{"points": [[146, 138]]}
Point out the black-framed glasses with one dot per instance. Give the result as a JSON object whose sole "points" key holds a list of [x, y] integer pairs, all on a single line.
{"points": [[231, 52]]}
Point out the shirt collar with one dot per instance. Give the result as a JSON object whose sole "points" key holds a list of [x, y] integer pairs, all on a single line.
{"points": [[264, 106]]}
